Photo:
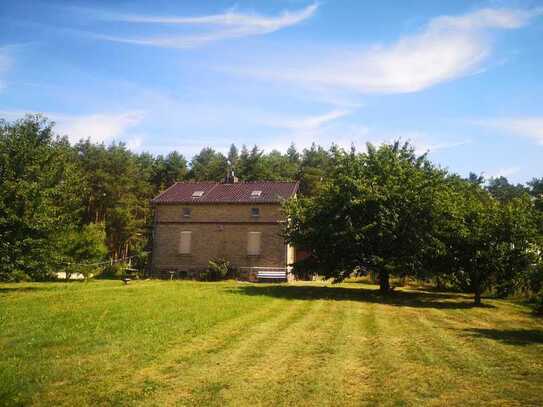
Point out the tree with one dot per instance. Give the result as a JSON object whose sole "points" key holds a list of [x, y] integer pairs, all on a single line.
{"points": [[39, 197], [166, 171], [487, 242], [233, 156], [83, 249], [373, 212], [208, 165], [315, 165], [503, 191]]}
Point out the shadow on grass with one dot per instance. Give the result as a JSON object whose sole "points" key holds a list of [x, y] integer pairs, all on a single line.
{"points": [[509, 336], [8, 290], [417, 299]]}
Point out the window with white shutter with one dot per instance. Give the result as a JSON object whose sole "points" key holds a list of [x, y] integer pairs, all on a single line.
{"points": [[185, 242], [253, 243]]}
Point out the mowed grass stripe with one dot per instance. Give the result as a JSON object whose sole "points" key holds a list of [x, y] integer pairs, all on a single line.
{"points": [[203, 377], [139, 383], [289, 372], [495, 372]]}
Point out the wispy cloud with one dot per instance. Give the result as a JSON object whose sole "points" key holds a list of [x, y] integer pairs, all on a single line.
{"points": [[448, 47], [97, 127], [218, 27], [304, 123], [529, 127]]}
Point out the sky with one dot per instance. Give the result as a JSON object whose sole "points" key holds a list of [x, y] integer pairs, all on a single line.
{"points": [[461, 80]]}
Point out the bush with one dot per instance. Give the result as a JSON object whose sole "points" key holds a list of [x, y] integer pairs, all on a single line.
{"points": [[217, 269], [16, 276], [116, 270]]}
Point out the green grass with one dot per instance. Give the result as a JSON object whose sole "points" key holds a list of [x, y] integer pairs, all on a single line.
{"points": [[189, 343]]}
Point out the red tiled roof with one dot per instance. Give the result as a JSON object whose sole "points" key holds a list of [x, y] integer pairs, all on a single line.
{"points": [[217, 192]]}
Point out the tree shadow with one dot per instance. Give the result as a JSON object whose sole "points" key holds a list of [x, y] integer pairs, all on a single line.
{"points": [[521, 337], [8, 290], [416, 299]]}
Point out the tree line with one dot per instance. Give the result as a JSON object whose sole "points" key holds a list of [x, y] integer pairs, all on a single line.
{"points": [[391, 212], [386, 211]]}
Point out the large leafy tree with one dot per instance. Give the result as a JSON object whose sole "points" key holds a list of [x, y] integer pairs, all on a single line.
{"points": [[486, 243], [39, 197], [373, 212]]}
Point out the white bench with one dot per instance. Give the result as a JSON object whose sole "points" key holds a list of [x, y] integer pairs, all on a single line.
{"points": [[271, 274]]}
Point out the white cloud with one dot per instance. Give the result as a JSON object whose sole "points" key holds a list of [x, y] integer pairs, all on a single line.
{"points": [[529, 127], [97, 127], [219, 27], [448, 47], [305, 123]]}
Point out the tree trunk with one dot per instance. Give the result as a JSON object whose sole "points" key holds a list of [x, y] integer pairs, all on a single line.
{"points": [[384, 282], [477, 298]]}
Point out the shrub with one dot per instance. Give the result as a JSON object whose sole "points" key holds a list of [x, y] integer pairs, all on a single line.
{"points": [[217, 269], [116, 270]]}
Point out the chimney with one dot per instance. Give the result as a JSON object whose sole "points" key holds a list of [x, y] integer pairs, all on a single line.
{"points": [[230, 177]]}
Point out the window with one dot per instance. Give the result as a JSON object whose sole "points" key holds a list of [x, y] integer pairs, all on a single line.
{"points": [[197, 194], [255, 212], [256, 194], [187, 212], [253, 243], [185, 242]]}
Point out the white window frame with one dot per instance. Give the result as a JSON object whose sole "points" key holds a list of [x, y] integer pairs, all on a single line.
{"points": [[254, 243], [187, 212], [185, 242]]}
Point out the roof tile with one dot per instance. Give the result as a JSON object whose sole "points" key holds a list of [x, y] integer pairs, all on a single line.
{"points": [[216, 192]]}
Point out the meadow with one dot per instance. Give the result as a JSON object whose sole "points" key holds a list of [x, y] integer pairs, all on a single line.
{"points": [[229, 343]]}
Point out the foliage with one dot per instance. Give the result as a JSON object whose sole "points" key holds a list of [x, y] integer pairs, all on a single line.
{"points": [[503, 191], [486, 243], [378, 209], [84, 248], [218, 269], [39, 197]]}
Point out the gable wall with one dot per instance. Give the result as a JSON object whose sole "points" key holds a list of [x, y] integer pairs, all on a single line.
{"points": [[218, 231]]}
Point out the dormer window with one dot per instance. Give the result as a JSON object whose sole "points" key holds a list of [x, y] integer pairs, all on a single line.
{"points": [[256, 194], [255, 212], [197, 194]]}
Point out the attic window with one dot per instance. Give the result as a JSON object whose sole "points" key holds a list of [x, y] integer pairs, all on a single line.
{"points": [[197, 194], [256, 194]]}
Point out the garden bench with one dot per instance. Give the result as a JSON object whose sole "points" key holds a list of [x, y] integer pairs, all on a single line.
{"points": [[271, 274], [125, 279]]}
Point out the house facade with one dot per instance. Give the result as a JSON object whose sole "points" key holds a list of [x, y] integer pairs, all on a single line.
{"points": [[238, 221]]}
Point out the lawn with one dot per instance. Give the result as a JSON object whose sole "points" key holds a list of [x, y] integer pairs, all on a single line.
{"points": [[189, 343]]}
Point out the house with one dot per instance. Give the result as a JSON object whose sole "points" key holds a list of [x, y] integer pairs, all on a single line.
{"points": [[238, 221]]}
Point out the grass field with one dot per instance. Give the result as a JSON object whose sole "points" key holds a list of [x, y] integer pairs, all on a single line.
{"points": [[189, 343]]}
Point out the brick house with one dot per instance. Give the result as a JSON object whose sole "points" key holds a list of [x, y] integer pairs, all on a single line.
{"points": [[238, 221]]}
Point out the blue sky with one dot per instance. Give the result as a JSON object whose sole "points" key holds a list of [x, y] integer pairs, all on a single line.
{"points": [[462, 79]]}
